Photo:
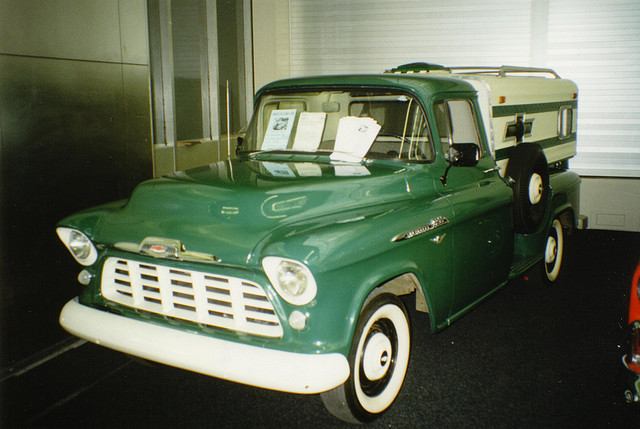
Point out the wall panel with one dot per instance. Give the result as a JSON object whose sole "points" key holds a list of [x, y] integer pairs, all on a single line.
{"points": [[74, 132], [72, 29]]}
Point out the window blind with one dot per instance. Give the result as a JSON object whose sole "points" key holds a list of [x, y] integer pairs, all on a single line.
{"points": [[594, 43]]}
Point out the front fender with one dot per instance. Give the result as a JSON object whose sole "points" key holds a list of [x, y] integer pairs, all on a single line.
{"points": [[88, 221], [353, 253]]}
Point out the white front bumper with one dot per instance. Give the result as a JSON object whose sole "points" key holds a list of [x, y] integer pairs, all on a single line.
{"points": [[255, 366]]}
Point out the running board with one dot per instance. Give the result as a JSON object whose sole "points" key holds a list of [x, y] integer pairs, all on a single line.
{"points": [[521, 264]]}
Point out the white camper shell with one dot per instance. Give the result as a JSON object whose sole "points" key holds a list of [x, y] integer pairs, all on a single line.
{"points": [[519, 105]]}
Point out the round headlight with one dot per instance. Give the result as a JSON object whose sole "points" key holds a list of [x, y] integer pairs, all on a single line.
{"points": [[79, 245], [291, 279]]}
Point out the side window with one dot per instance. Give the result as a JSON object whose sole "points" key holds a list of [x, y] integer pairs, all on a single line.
{"points": [[456, 124], [565, 122]]}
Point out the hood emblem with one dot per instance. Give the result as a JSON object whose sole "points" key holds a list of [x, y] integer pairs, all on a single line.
{"points": [[165, 248], [161, 248]]}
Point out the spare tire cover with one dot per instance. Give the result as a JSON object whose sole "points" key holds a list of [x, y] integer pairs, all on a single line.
{"points": [[529, 175]]}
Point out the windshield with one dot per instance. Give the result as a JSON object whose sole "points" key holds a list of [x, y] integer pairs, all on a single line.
{"points": [[345, 124]]}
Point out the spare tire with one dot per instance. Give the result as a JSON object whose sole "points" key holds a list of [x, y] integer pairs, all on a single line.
{"points": [[529, 174]]}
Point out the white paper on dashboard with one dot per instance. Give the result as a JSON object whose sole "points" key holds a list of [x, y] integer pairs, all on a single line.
{"points": [[351, 170], [279, 129], [307, 169], [354, 138], [309, 132], [278, 169]]}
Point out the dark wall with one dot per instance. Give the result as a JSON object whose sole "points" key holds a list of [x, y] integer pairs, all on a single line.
{"points": [[74, 132]]}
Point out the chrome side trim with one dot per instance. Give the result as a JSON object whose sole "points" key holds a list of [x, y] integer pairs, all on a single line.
{"points": [[434, 224]]}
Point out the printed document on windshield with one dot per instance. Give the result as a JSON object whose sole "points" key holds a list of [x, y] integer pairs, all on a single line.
{"points": [[309, 131], [354, 138], [279, 130]]}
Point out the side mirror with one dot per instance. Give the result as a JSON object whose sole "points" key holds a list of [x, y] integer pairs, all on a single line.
{"points": [[239, 142], [464, 154], [461, 155]]}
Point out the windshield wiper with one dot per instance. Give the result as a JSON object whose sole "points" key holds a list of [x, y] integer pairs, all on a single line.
{"points": [[254, 154]]}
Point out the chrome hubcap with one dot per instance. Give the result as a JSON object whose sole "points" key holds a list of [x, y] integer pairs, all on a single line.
{"points": [[551, 251], [377, 356]]}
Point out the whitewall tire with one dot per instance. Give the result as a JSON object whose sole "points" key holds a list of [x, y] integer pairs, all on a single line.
{"points": [[378, 362], [553, 252]]}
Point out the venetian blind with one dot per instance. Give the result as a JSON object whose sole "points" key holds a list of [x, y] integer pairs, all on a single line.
{"points": [[597, 45], [594, 43]]}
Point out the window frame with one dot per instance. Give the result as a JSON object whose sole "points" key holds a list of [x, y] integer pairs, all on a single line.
{"points": [[474, 116], [262, 101]]}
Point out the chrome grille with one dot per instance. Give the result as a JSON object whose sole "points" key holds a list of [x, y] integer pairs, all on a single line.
{"points": [[207, 299]]}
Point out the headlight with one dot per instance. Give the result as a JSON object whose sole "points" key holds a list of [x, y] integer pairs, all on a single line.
{"points": [[292, 280], [79, 245]]}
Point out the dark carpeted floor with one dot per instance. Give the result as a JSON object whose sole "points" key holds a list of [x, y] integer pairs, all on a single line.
{"points": [[532, 356]]}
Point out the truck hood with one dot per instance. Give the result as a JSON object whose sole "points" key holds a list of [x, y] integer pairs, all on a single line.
{"points": [[226, 209]]}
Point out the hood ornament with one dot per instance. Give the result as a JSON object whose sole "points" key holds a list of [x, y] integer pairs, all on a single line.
{"points": [[161, 248], [165, 248]]}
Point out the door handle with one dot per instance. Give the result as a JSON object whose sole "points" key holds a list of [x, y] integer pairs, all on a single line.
{"points": [[496, 168]]}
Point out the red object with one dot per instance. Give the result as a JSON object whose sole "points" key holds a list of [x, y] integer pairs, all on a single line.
{"points": [[633, 359], [634, 300], [158, 249]]}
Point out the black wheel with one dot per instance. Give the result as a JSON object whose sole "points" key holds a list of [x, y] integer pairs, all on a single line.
{"points": [[554, 249], [378, 361], [529, 172]]}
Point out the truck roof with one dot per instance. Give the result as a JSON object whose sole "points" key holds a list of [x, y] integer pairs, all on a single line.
{"points": [[425, 85], [521, 84]]}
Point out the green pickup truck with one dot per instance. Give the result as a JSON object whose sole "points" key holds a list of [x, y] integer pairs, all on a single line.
{"points": [[283, 267]]}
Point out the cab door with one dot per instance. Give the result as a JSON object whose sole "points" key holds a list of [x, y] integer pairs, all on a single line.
{"points": [[481, 202]]}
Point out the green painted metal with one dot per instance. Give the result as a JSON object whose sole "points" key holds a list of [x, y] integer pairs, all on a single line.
{"points": [[341, 227], [418, 67], [426, 88]]}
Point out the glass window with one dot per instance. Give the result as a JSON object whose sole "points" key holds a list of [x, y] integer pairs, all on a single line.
{"points": [[456, 124], [190, 66], [191, 76], [308, 122]]}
